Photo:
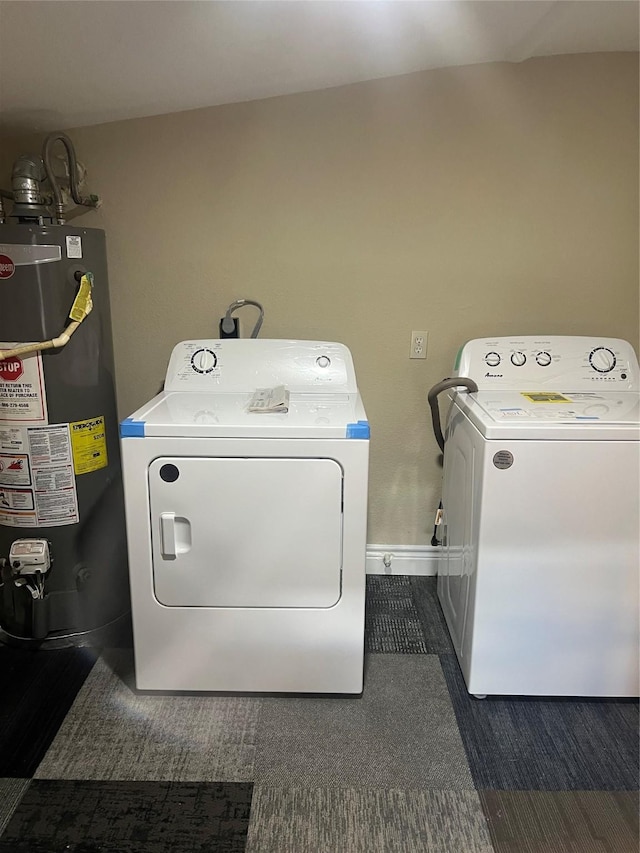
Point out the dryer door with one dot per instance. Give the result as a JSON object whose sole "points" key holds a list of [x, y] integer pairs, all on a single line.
{"points": [[246, 532]]}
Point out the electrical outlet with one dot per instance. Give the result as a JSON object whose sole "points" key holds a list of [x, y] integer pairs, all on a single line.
{"points": [[232, 333], [418, 345]]}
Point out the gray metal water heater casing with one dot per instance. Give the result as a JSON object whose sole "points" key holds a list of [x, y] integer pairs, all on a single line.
{"points": [[87, 586]]}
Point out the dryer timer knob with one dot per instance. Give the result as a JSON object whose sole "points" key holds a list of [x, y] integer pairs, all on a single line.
{"points": [[203, 361], [518, 359]]}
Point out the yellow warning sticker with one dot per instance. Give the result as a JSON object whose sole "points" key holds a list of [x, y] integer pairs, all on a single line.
{"points": [[545, 397], [89, 445]]}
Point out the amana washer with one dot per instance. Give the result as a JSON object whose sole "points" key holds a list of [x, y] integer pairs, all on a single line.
{"points": [[247, 530], [539, 576]]}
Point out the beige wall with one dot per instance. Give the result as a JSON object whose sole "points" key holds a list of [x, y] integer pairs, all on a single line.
{"points": [[475, 201]]}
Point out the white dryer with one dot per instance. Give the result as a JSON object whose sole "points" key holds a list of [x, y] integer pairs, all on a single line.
{"points": [[247, 530], [538, 579]]}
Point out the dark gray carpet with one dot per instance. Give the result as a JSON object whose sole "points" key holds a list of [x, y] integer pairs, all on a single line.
{"points": [[36, 691], [401, 733], [296, 820], [392, 620], [129, 817], [391, 771], [562, 821], [434, 628], [113, 733], [11, 790], [546, 744]]}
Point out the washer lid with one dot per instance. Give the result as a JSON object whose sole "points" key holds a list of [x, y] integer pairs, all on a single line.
{"points": [[182, 413], [574, 416]]}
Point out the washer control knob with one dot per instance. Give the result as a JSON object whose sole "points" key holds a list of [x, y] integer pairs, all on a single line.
{"points": [[543, 359], [602, 359], [492, 359], [518, 359], [203, 360], [323, 361]]}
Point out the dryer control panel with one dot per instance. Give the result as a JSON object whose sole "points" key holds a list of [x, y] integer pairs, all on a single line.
{"points": [[235, 365], [533, 362]]}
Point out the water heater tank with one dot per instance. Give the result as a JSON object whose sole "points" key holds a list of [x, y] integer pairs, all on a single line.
{"points": [[60, 478]]}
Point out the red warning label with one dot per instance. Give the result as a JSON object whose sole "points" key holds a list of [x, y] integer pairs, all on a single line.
{"points": [[7, 267], [11, 369], [22, 392], [14, 469]]}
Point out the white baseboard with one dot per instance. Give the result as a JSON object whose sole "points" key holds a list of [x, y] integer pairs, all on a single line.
{"points": [[402, 559]]}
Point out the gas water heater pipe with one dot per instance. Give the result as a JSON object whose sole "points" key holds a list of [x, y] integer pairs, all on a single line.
{"points": [[85, 201]]}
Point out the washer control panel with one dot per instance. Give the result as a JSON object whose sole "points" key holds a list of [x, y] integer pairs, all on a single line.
{"points": [[532, 362]]}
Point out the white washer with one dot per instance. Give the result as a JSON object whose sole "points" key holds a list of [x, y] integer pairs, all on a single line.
{"points": [[538, 579], [247, 531]]}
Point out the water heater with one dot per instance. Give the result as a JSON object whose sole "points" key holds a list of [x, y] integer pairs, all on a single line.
{"points": [[62, 535]]}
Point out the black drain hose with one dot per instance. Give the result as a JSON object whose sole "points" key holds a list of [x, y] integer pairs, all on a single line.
{"points": [[432, 397]]}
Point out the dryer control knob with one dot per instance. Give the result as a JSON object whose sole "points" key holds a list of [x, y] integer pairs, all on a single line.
{"points": [[543, 359], [492, 359], [518, 359], [203, 360], [323, 361]]}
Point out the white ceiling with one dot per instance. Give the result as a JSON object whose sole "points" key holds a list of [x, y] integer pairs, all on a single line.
{"points": [[66, 64]]}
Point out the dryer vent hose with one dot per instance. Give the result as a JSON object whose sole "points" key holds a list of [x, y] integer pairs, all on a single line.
{"points": [[432, 397]]}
